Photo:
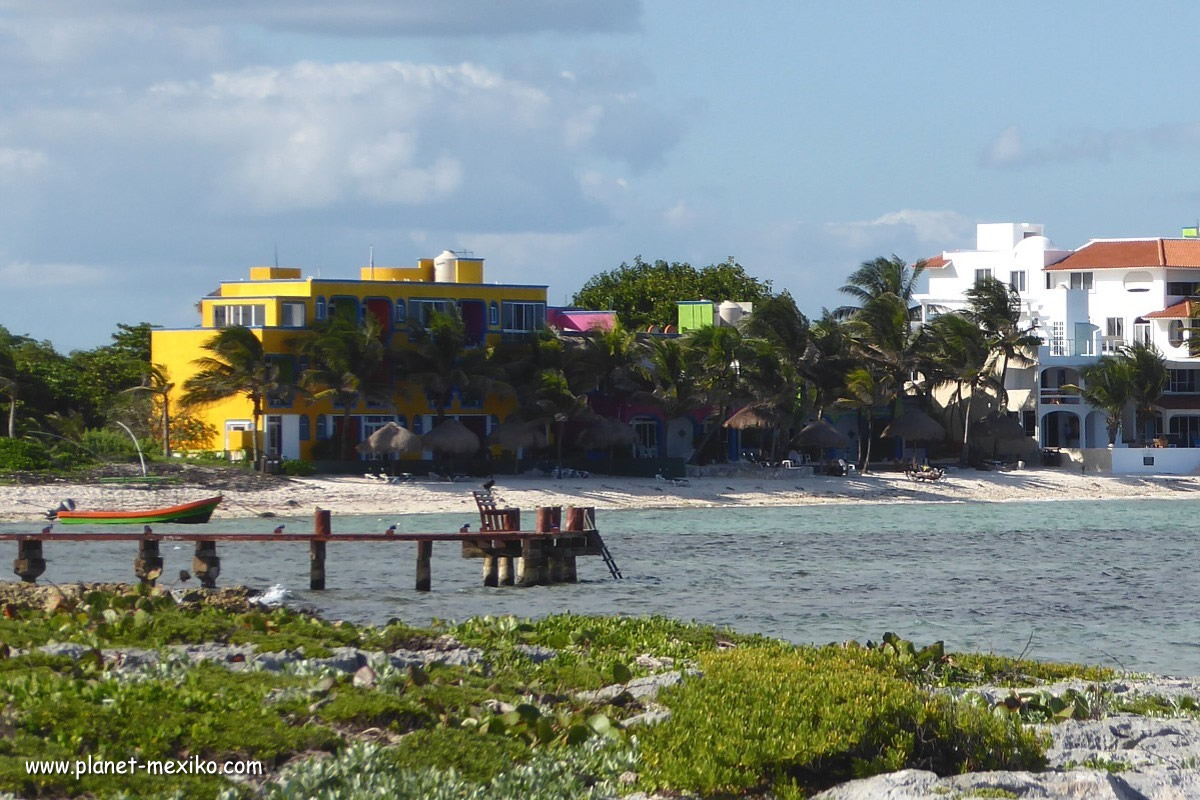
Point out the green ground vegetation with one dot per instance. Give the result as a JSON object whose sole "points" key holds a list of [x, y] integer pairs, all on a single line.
{"points": [[765, 716]]}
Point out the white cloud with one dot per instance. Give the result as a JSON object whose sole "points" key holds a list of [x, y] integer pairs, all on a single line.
{"points": [[22, 274], [356, 17], [1010, 151], [21, 161], [942, 228]]}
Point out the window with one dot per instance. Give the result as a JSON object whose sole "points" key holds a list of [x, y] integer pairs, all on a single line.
{"points": [[322, 428], [524, 317], [1081, 280], [1114, 326], [982, 275], [646, 431], [1029, 422], [285, 370], [1050, 280], [494, 314], [1175, 332], [422, 310], [305, 428], [320, 307], [1183, 288], [1016, 279], [1141, 332], [400, 312], [1058, 338], [291, 315], [345, 307], [250, 316], [1182, 380]]}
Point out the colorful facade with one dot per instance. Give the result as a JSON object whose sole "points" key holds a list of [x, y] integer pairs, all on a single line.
{"points": [[278, 305]]}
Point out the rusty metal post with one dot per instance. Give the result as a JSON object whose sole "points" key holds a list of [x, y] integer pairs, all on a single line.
{"points": [[29, 563], [322, 524], [574, 522], [206, 566], [148, 561], [424, 573], [316, 564]]}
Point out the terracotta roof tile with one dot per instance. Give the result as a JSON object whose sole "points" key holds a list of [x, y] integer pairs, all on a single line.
{"points": [[1170, 253], [1181, 310], [937, 262]]}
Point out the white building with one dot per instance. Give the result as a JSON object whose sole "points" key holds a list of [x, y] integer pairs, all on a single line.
{"points": [[1085, 303]]}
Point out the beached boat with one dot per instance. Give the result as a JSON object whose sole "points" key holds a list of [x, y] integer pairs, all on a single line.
{"points": [[195, 512]]}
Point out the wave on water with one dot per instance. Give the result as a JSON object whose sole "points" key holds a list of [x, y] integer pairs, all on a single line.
{"points": [[275, 596]]}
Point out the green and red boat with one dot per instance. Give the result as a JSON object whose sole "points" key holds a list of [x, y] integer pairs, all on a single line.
{"points": [[186, 513]]}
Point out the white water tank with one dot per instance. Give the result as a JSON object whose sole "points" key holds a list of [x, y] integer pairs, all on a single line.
{"points": [[444, 267], [729, 313]]}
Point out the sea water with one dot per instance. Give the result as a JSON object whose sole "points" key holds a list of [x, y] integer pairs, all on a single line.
{"points": [[1104, 582]]}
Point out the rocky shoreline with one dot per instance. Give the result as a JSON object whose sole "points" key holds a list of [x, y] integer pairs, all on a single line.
{"points": [[1139, 738]]}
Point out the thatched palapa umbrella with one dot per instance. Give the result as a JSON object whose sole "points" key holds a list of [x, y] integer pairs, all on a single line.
{"points": [[451, 438], [606, 434], [751, 417], [514, 434], [391, 438], [914, 425], [822, 434]]}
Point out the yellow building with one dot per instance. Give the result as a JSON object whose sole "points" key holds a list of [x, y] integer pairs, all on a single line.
{"points": [[277, 304]]}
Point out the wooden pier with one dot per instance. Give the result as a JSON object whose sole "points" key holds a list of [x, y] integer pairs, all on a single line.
{"points": [[545, 555]]}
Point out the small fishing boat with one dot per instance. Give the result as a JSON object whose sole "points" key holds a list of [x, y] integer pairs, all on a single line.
{"points": [[187, 513]]}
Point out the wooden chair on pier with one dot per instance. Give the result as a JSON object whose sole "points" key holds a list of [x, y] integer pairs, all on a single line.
{"points": [[495, 519]]}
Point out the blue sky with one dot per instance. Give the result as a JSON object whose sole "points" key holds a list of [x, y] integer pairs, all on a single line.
{"points": [[151, 148]]}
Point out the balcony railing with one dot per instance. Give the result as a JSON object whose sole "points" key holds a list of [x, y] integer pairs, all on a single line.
{"points": [[1054, 396]]}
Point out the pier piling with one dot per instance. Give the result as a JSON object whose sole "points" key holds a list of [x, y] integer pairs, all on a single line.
{"points": [[149, 563], [29, 563], [206, 565], [424, 573]]}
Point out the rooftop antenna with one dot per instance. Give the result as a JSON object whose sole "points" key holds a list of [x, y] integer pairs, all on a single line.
{"points": [[277, 255], [372, 262]]}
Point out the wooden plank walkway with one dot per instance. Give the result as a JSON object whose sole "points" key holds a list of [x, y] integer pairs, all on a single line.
{"points": [[544, 555]]}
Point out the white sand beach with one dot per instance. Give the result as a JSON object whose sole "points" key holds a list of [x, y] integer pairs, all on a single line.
{"points": [[361, 495]]}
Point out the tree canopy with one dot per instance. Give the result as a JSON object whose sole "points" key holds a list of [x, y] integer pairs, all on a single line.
{"points": [[645, 294]]}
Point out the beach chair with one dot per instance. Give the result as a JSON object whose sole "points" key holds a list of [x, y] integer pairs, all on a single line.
{"points": [[495, 519]]}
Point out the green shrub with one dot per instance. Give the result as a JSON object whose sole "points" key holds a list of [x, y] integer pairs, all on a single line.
{"points": [[23, 454], [298, 468], [108, 445], [811, 718]]}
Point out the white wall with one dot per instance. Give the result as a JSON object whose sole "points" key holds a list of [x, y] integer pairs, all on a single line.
{"points": [[1167, 460]]}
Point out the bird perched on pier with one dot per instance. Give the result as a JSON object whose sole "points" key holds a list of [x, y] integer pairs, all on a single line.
{"points": [[465, 528], [47, 528], [280, 529], [489, 484], [184, 576], [146, 530], [391, 531]]}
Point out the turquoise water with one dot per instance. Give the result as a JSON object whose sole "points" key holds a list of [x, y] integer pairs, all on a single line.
{"points": [[1106, 582]]}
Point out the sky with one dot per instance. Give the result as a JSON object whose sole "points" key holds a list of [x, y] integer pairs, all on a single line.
{"points": [[151, 148]]}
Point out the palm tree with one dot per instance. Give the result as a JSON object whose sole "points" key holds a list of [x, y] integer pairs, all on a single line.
{"points": [[996, 308], [828, 360], [238, 366], [779, 389], [965, 354], [553, 403], [866, 389], [348, 362], [1150, 379], [715, 355], [9, 387], [1109, 386], [878, 277], [155, 382], [608, 363], [439, 362]]}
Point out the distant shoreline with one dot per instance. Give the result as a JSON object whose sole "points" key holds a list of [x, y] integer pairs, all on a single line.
{"points": [[360, 495]]}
